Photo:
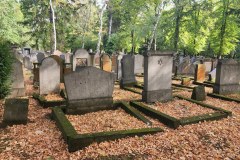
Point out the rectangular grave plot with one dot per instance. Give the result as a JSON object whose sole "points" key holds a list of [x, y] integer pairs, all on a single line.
{"points": [[232, 97], [77, 141], [50, 101], [174, 121]]}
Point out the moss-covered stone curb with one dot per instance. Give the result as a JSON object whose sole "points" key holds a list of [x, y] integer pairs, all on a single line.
{"points": [[138, 86], [132, 111], [205, 105], [175, 122], [182, 86], [162, 117], [204, 84], [77, 141], [131, 90], [44, 103], [223, 97]]}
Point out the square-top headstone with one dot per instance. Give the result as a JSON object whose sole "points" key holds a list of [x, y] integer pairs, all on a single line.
{"points": [[200, 73], [17, 79], [138, 64], [27, 63], [157, 76], [89, 89], [106, 63], [49, 76], [128, 77], [227, 77]]}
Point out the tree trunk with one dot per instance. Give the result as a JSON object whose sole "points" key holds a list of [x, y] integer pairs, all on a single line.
{"points": [[223, 27], [54, 27], [100, 29], [110, 19], [177, 27], [158, 15]]}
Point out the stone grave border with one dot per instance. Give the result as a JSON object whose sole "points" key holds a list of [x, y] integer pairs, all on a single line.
{"points": [[182, 86], [206, 84], [176, 122], [45, 104], [77, 141], [214, 95]]}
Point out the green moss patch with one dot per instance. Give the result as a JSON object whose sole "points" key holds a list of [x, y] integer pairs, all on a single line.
{"points": [[132, 90], [77, 141]]}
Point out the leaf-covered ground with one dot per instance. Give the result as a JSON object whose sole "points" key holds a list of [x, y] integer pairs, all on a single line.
{"points": [[41, 139]]}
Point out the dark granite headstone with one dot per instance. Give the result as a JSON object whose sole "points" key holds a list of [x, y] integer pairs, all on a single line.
{"points": [[40, 57], [15, 111], [157, 76], [90, 89], [198, 93]]}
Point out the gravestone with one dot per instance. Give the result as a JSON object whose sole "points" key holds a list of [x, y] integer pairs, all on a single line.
{"points": [[40, 57], [15, 111], [88, 90], [200, 73], [62, 56], [186, 68], [138, 64], [227, 77], [27, 63], [114, 62], [208, 65], [81, 58], [17, 79], [212, 75], [119, 66], [61, 64], [198, 93], [186, 81], [128, 77], [157, 76], [49, 75], [106, 63]]}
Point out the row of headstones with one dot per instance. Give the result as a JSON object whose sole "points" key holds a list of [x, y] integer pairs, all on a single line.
{"points": [[186, 66]]}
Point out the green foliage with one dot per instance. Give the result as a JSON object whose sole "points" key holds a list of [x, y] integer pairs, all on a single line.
{"points": [[5, 68], [10, 18]]}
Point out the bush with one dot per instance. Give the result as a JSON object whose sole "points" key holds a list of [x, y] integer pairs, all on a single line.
{"points": [[6, 59]]}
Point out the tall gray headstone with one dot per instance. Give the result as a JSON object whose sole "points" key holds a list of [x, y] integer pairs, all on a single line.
{"points": [[157, 76], [17, 79], [119, 66], [227, 77], [128, 77], [89, 89], [49, 76], [138, 64], [27, 63]]}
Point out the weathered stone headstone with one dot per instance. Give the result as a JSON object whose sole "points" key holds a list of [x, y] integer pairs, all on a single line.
{"points": [[27, 63], [40, 57], [49, 73], [114, 63], [119, 66], [90, 89], [62, 56], [200, 73], [106, 63], [157, 76], [186, 68], [227, 77], [138, 64], [61, 64], [212, 75], [15, 111], [208, 65], [128, 77], [17, 79], [198, 93], [81, 58]]}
